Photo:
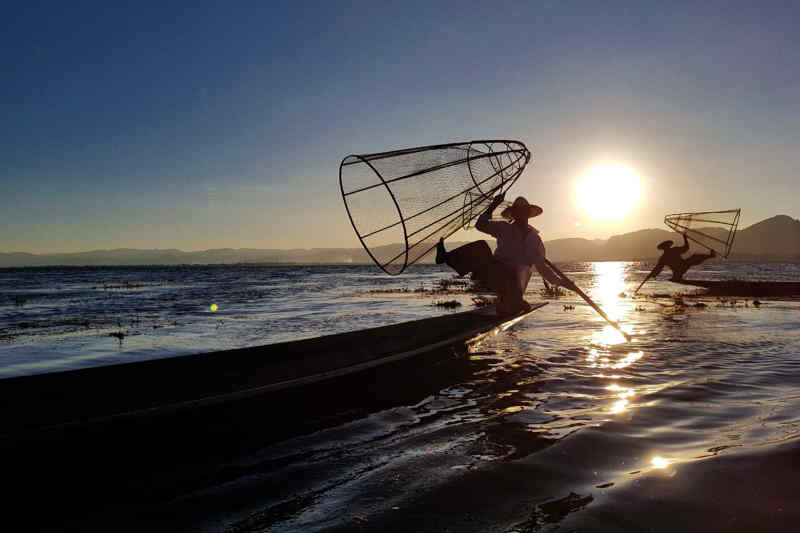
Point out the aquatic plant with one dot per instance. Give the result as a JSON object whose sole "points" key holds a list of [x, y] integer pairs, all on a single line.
{"points": [[449, 304], [481, 301], [454, 282], [552, 291]]}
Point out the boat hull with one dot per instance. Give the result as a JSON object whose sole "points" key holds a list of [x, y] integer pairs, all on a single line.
{"points": [[746, 288], [132, 435], [168, 386]]}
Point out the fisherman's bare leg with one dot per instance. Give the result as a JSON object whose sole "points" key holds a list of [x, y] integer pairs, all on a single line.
{"points": [[474, 257], [441, 253], [692, 260], [696, 259]]}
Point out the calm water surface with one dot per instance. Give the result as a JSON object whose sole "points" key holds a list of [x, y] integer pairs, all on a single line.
{"points": [[561, 423]]}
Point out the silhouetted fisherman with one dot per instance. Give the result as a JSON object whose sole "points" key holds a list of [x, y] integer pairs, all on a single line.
{"points": [[672, 257], [507, 271]]}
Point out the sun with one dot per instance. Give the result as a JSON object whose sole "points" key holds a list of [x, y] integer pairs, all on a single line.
{"points": [[608, 192]]}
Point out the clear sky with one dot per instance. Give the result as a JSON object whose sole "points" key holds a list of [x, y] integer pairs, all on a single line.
{"points": [[200, 125]]}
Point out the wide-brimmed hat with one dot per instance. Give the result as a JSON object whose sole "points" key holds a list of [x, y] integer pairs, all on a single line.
{"points": [[521, 208], [664, 245]]}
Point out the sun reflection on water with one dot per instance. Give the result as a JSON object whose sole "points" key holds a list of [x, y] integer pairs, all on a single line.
{"points": [[610, 282], [606, 345], [618, 407], [622, 393], [659, 462], [598, 360], [610, 336]]}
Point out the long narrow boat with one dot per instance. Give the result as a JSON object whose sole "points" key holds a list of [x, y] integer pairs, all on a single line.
{"points": [[30, 404], [746, 288], [126, 437]]}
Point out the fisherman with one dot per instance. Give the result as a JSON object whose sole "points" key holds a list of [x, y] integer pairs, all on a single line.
{"points": [[671, 257], [508, 271]]}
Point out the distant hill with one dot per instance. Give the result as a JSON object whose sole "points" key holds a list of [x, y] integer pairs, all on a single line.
{"points": [[776, 238]]}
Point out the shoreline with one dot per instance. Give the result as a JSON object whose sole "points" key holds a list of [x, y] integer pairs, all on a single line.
{"points": [[768, 260]]}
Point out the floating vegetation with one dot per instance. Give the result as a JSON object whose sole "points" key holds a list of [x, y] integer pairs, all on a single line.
{"points": [[392, 290], [552, 291], [569, 307], [481, 301], [19, 300], [442, 286], [118, 334], [725, 302], [126, 285], [456, 282], [449, 304]]}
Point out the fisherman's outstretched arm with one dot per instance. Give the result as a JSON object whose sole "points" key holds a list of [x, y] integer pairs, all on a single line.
{"points": [[685, 248], [484, 222]]}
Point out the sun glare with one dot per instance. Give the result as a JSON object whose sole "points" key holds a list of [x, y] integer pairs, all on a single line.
{"points": [[608, 192]]}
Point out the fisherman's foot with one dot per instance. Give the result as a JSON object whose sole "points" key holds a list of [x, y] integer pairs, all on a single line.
{"points": [[520, 309], [441, 253]]}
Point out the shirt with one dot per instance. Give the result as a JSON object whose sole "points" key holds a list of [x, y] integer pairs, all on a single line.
{"points": [[514, 248], [517, 250]]}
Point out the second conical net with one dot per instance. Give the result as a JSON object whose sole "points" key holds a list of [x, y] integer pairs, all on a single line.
{"points": [[715, 230]]}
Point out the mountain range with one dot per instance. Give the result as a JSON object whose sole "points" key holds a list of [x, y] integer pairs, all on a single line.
{"points": [[775, 238]]}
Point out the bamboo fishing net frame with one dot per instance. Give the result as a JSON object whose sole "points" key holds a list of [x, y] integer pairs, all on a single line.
{"points": [[686, 223], [433, 190]]}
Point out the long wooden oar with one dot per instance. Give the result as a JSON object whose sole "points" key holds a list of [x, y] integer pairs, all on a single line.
{"points": [[588, 300], [642, 283], [650, 275]]}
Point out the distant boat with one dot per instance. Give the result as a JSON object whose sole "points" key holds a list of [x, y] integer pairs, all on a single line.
{"points": [[746, 288]]}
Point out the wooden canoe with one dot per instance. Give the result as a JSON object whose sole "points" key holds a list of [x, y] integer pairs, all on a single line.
{"points": [[171, 385], [125, 437], [746, 288]]}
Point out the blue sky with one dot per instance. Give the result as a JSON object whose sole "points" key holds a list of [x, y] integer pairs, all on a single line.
{"points": [[200, 125]]}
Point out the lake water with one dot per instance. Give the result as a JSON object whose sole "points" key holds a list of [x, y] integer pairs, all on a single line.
{"points": [[560, 423]]}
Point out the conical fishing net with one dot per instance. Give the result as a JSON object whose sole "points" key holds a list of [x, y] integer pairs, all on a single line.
{"points": [[714, 230], [400, 203]]}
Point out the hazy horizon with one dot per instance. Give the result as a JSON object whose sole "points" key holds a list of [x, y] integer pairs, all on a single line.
{"points": [[460, 236], [201, 126]]}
